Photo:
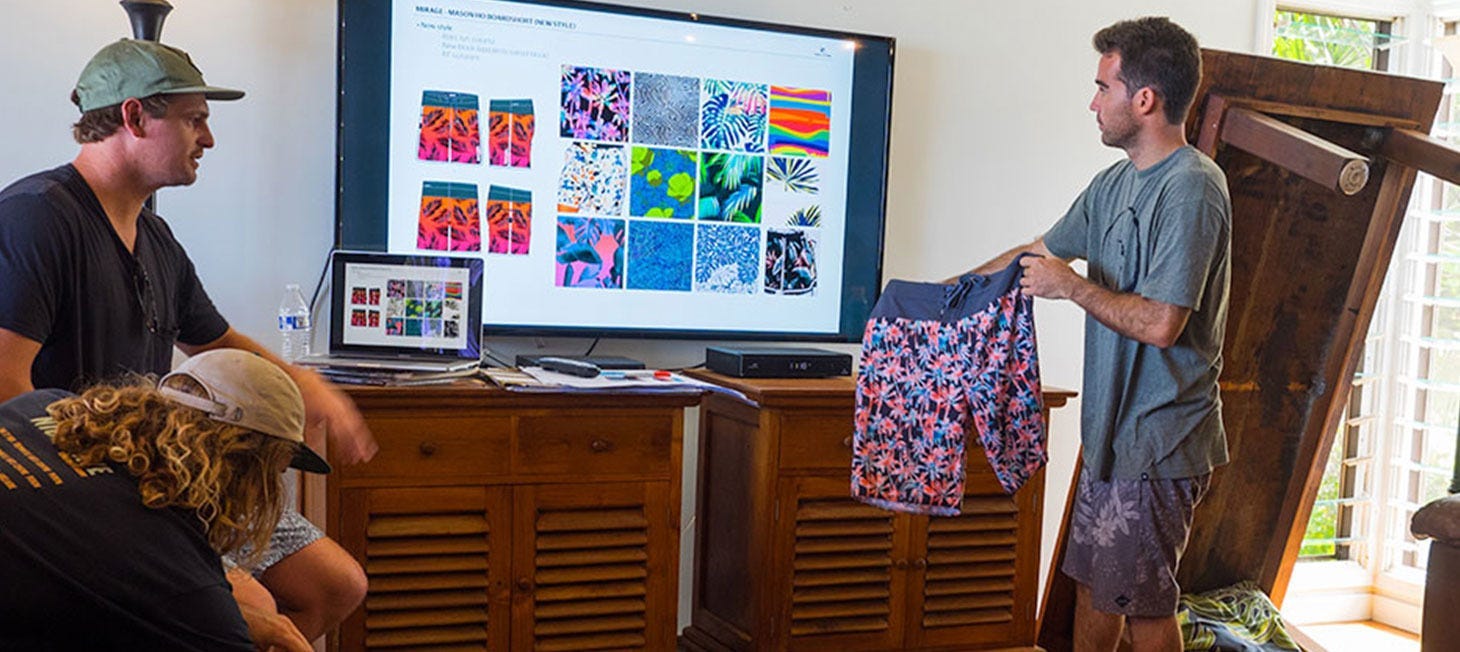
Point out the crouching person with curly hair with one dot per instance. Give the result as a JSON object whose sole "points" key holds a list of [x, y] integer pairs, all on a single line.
{"points": [[116, 506]]}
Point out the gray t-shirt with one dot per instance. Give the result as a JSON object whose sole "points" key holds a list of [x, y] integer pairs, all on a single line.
{"points": [[1163, 233]]}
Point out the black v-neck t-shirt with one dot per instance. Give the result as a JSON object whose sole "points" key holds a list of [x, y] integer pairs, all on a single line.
{"points": [[98, 310]]}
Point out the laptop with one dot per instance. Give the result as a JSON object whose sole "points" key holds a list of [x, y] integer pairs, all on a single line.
{"points": [[403, 313]]}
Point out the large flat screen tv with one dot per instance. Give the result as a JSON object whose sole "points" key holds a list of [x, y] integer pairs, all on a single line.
{"points": [[622, 172]]}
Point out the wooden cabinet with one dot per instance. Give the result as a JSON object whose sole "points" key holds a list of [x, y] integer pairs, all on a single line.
{"points": [[787, 560], [492, 520]]}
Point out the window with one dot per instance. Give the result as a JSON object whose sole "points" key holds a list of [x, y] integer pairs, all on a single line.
{"points": [[1341, 516], [1421, 443], [1332, 40], [1395, 451]]}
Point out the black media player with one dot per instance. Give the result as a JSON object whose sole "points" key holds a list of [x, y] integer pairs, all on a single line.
{"points": [[777, 362]]}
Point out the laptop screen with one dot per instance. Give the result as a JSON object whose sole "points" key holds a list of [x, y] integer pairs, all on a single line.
{"points": [[390, 305]]}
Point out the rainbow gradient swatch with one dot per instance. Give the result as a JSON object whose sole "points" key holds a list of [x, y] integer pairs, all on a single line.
{"points": [[800, 121]]}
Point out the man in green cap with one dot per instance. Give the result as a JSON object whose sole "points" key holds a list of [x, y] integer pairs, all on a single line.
{"points": [[97, 287]]}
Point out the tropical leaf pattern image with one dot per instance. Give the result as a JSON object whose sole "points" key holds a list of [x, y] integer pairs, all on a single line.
{"points": [[796, 175], [450, 217], [659, 255], [510, 127], [450, 127], [792, 190], [805, 216], [733, 115], [662, 182], [590, 253], [730, 187], [790, 262], [596, 104], [727, 258], [509, 220], [666, 110]]}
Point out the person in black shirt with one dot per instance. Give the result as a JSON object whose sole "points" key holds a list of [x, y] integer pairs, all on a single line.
{"points": [[95, 286], [117, 503]]}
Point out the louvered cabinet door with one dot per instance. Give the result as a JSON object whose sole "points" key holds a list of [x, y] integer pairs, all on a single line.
{"points": [[974, 575], [843, 568], [594, 567], [437, 561]]}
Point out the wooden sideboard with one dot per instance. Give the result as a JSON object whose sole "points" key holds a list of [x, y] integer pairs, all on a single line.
{"points": [[786, 560], [508, 521]]}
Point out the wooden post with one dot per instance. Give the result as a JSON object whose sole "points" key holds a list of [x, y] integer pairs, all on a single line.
{"points": [[1302, 153], [1422, 152]]}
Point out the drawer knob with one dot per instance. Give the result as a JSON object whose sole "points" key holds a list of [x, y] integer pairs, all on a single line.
{"points": [[601, 445], [847, 443], [428, 448], [524, 585], [920, 564], [900, 564]]}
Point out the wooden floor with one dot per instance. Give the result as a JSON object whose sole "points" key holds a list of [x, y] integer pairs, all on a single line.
{"points": [[1362, 637]]}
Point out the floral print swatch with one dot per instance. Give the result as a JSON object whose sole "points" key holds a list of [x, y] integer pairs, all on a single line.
{"points": [[733, 116], [590, 253], [594, 180], [662, 182], [595, 104]]}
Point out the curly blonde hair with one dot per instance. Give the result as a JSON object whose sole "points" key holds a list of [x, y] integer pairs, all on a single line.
{"points": [[229, 476]]}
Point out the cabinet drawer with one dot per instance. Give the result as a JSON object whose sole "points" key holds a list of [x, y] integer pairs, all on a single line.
{"points": [[594, 445], [437, 446], [816, 440]]}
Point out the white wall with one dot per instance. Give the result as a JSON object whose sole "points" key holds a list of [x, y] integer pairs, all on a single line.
{"points": [[262, 211], [991, 141]]}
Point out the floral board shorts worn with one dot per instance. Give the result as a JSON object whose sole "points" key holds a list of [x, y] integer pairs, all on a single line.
{"points": [[1126, 538]]}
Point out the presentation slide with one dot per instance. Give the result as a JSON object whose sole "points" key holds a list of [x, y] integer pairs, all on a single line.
{"points": [[406, 306], [622, 172]]}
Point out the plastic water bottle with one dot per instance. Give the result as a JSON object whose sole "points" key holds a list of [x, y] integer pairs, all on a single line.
{"points": [[295, 329]]}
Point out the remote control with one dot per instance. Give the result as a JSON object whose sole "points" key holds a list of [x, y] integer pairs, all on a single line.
{"points": [[569, 366]]}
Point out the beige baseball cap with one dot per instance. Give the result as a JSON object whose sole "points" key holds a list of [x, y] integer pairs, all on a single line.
{"points": [[245, 390]]}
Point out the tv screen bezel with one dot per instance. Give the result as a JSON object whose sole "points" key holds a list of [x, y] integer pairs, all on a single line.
{"points": [[362, 163]]}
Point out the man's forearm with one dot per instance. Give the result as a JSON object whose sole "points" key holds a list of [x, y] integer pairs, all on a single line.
{"points": [[1131, 315]]}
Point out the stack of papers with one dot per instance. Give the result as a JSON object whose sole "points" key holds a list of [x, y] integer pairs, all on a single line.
{"points": [[392, 377], [537, 379], [512, 379]]}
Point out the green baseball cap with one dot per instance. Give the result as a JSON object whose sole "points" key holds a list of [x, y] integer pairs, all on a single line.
{"points": [[134, 68]]}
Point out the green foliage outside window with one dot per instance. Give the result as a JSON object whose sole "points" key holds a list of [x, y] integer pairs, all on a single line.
{"points": [[1327, 40], [1323, 524]]}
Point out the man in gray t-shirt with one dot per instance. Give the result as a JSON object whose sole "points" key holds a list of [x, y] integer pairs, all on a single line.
{"points": [[1155, 230]]}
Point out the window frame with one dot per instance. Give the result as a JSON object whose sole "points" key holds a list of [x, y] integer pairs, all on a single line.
{"points": [[1376, 584]]}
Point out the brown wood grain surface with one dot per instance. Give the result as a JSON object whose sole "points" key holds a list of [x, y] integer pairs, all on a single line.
{"points": [[495, 520]]}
